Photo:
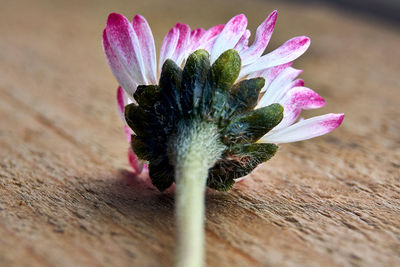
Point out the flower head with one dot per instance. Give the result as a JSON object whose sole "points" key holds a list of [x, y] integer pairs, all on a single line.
{"points": [[210, 76]]}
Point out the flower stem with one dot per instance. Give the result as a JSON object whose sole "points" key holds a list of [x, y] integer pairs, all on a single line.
{"points": [[190, 187], [196, 150]]}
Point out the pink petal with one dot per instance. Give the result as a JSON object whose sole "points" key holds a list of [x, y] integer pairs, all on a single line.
{"points": [[137, 165], [282, 84], [297, 83], [304, 98], [122, 101], [269, 74], [305, 129], [279, 87], [119, 71], [128, 133], [168, 46], [195, 37], [243, 42], [212, 32], [229, 36], [125, 44], [197, 34], [295, 101], [208, 45], [209, 38], [263, 35], [182, 45], [288, 52], [147, 47]]}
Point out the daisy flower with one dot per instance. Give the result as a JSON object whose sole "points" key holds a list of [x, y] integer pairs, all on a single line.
{"points": [[131, 55], [210, 110]]}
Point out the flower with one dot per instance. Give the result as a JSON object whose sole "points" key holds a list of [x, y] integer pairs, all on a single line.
{"points": [[210, 112], [131, 55]]}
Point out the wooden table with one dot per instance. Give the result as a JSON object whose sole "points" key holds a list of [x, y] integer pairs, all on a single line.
{"points": [[67, 197]]}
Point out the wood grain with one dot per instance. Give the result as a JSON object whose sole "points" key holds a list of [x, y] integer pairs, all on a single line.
{"points": [[67, 197]]}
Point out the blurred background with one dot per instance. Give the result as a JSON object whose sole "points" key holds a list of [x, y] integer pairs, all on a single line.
{"points": [[387, 10]]}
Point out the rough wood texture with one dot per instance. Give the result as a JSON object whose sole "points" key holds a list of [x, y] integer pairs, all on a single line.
{"points": [[67, 197]]}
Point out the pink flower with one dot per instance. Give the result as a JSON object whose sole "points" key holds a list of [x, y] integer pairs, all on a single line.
{"points": [[131, 55]]}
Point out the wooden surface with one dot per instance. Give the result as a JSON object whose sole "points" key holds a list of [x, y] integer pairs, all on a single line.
{"points": [[67, 197]]}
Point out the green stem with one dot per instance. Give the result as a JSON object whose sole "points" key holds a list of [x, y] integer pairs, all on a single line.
{"points": [[190, 187], [196, 150]]}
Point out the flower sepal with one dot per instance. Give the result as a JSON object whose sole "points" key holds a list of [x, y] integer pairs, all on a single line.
{"points": [[202, 94], [238, 161]]}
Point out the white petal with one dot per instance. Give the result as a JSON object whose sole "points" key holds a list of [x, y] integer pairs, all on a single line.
{"points": [[168, 46], [120, 72], [269, 74], [297, 99], [243, 42], [147, 47], [263, 35], [208, 39], [229, 36], [195, 37], [288, 52], [181, 52], [279, 87], [125, 44], [305, 129]]}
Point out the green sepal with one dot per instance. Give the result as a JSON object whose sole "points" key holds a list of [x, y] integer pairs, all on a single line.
{"points": [[221, 77], [225, 70], [249, 156], [170, 84], [218, 180], [161, 173], [257, 152], [244, 95], [147, 95], [141, 147], [165, 116], [238, 161], [250, 127], [193, 79], [138, 119]]}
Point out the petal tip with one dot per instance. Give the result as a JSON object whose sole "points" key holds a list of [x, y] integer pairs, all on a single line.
{"points": [[301, 40], [138, 16], [120, 99], [340, 118], [138, 19], [180, 25], [104, 36], [307, 40], [334, 122], [114, 17], [239, 19], [134, 161], [317, 101]]}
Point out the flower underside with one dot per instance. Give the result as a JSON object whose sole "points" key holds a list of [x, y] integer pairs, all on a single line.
{"points": [[204, 93]]}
